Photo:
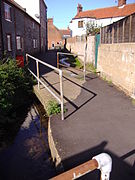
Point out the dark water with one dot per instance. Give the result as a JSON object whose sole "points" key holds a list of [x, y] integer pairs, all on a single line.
{"points": [[24, 151]]}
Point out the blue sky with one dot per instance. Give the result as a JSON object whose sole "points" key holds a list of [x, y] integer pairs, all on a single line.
{"points": [[64, 10]]}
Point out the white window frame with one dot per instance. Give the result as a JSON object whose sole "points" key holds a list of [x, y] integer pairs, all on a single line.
{"points": [[9, 40], [80, 24], [35, 43], [7, 12], [18, 42]]}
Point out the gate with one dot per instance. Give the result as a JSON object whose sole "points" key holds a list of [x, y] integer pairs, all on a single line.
{"points": [[97, 42]]}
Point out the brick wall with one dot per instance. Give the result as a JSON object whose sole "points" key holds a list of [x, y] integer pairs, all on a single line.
{"points": [[116, 62], [43, 22], [0, 33], [0, 42], [54, 35], [9, 28], [32, 31], [27, 28]]}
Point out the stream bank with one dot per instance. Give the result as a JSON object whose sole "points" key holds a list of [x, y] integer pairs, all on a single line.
{"points": [[24, 152]]}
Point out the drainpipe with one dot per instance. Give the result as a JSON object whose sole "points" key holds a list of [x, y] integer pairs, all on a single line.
{"points": [[104, 164], [1, 24]]}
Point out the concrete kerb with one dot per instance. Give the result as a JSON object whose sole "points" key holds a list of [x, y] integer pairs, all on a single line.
{"points": [[54, 153]]}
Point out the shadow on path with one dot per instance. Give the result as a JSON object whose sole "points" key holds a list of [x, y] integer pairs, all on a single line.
{"points": [[120, 170]]}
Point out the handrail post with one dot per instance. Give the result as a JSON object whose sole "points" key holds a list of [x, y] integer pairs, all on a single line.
{"points": [[61, 93], [84, 70], [27, 59], [104, 164], [37, 65], [58, 60]]}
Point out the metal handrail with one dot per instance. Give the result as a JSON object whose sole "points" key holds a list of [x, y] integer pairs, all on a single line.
{"points": [[72, 54], [60, 100], [102, 161]]}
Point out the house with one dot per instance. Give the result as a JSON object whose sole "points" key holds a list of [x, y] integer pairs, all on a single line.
{"points": [[66, 33], [101, 16], [38, 11], [56, 37], [20, 33]]}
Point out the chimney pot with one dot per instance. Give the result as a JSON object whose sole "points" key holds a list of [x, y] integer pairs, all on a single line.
{"points": [[79, 8], [121, 2], [50, 21]]}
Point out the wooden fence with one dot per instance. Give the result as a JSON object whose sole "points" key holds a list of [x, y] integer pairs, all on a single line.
{"points": [[122, 31]]}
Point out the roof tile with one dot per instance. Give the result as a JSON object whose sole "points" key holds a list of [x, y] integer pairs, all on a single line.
{"points": [[109, 12]]}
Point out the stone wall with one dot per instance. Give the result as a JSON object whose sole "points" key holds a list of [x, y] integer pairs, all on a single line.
{"points": [[77, 45], [116, 62]]}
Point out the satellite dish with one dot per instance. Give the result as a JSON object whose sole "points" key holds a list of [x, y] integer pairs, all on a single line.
{"points": [[37, 16]]}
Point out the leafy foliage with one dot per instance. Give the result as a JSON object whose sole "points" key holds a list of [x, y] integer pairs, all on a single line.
{"points": [[92, 28], [15, 87], [53, 108]]}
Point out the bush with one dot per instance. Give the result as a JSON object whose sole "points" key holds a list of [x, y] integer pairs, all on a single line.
{"points": [[53, 108], [15, 87]]}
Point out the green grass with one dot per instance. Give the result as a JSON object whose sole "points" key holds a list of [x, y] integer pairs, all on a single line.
{"points": [[133, 102], [90, 67], [54, 108], [108, 81]]}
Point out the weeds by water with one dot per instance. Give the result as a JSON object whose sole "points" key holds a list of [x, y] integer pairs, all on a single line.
{"points": [[90, 67], [54, 108]]}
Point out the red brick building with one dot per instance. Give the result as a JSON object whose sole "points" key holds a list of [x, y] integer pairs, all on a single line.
{"points": [[56, 37]]}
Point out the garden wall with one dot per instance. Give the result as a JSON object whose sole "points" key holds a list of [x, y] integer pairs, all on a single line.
{"points": [[116, 62], [77, 45]]}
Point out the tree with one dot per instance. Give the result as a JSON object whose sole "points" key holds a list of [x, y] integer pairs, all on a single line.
{"points": [[92, 28]]}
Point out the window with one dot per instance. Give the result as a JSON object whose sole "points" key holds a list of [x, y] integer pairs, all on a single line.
{"points": [[80, 24], [7, 11], [35, 45], [18, 42], [53, 44], [9, 48]]}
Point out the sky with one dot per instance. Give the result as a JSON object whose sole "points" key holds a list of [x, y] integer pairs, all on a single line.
{"points": [[62, 11]]}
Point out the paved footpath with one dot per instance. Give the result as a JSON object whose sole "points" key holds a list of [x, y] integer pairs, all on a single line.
{"points": [[99, 119]]}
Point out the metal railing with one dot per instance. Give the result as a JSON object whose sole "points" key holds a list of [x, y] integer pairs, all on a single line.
{"points": [[72, 54], [60, 100], [103, 162]]}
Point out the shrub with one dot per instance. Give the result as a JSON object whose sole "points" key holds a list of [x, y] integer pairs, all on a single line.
{"points": [[15, 87], [53, 108]]}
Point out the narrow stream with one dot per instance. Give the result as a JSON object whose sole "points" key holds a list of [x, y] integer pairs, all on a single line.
{"points": [[24, 151]]}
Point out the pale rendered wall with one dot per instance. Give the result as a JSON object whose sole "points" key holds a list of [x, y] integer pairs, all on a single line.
{"points": [[78, 47], [116, 62], [81, 31]]}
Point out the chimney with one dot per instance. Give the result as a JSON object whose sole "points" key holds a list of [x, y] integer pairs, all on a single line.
{"points": [[79, 8], [121, 2], [50, 21]]}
